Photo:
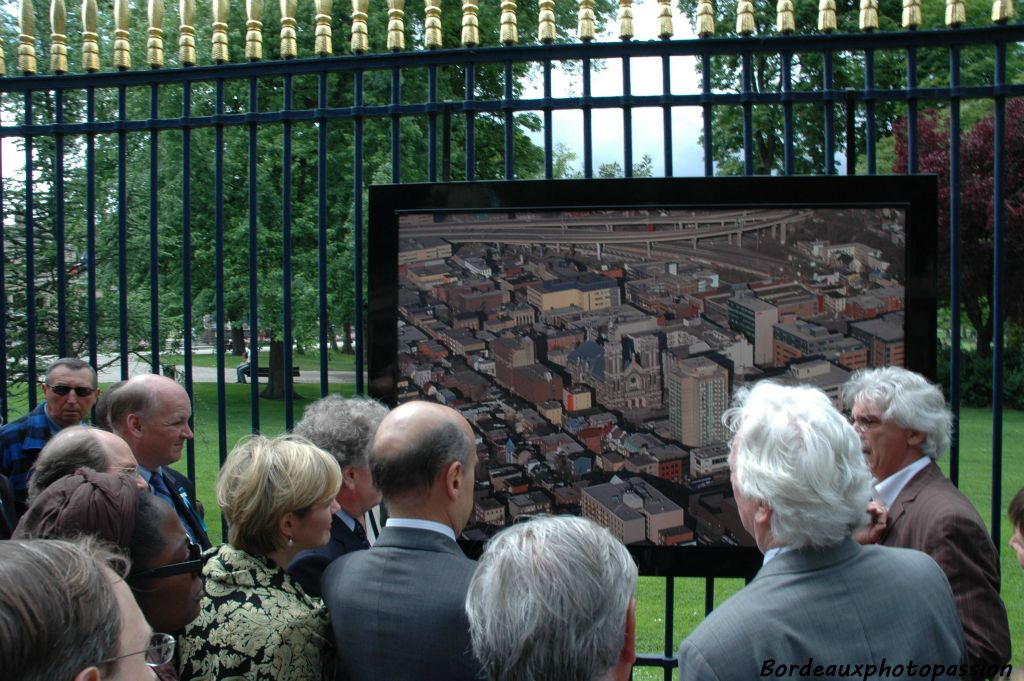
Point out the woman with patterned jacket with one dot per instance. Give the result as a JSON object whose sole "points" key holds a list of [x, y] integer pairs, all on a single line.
{"points": [[256, 623]]}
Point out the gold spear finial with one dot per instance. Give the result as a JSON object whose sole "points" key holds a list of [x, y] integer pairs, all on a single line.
{"points": [[1002, 11], [911, 13], [956, 12], [323, 44], [826, 16], [546, 21], [432, 24], [3, 64], [122, 22], [666, 29], [470, 23], [396, 25], [868, 15], [585, 25], [219, 39], [360, 38], [254, 30], [509, 24], [187, 32], [27, 38], [785, 21], [58, 37], [90, 37], [744, 17], [289, 44], [705, 19], [625, 19], [155, 43]]}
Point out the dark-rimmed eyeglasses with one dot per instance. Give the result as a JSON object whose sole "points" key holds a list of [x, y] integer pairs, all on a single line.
{"points": [[160, 651], [62, 390], [194, 565], [865, 422]]}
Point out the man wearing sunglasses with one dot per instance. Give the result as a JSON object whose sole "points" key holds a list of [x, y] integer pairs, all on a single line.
{"points": [[69, 392]]}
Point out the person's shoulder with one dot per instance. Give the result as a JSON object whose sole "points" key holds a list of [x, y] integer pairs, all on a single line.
{"points": [[18, 428], [904, 564]]}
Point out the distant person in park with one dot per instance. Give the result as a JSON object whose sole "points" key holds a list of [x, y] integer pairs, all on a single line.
{"points": [[78, 446], [69, 391], [67, 615], [151, 413], [1017, 520], [243, 370], [344, 428], [256, 622], [554, 599], [165, 566], [398, 609], [821, 601], [904, 426]]}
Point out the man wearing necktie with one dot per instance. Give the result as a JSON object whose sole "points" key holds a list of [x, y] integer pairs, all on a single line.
{"points": [[151, 413], [344, 428]]}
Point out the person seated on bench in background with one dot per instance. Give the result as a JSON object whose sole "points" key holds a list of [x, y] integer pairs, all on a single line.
{"points": [[243, 370], [820, 601], [554, 599]]}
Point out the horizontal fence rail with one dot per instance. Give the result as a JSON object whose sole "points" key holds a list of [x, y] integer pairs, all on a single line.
{"points": [[142, 205]]}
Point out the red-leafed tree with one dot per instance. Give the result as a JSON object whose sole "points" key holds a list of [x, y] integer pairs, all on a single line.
{"points": [[976, 209]]}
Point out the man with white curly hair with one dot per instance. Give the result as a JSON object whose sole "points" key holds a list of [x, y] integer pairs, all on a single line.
{"points": [[821, 605], [904, 427], [552, 599]]}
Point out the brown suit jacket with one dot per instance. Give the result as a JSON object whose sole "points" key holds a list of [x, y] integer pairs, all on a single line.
{"points": [[932, 515]]}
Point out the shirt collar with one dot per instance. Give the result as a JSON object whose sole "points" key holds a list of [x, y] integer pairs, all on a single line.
{"points": [[890, 488], [147, 474], [772, 552], [420, 524], [349, 521]]}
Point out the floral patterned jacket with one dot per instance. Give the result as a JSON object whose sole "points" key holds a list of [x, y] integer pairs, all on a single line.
{"points": [[255, 624]]}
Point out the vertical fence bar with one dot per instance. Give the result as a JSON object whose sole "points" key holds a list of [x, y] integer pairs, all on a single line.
{"points": [[509, 124], [869, 110], [829, 111], [670, 621], [998, 304], [218, 270], [748, 114], [321, 232], [154, 229], [286, 250], [954, 260], [396, 132], [432, 124], [627, 120], [90, 222], [470, 123], [705, 89], [851, 133], [30, 260], [59, 232], [912, 155], [709, 595], [548, 132], [122, 228], [666, 112], [186, 263], [4, 415], [588, 137], [446, 141], [357, 224], [788, 164], [254, 288]]}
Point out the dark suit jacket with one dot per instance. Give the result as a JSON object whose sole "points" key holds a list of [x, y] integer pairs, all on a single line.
{"points": [[845, 605], [183, 492], [931, 515], [308, 566], [398, 612], [8, 513]]}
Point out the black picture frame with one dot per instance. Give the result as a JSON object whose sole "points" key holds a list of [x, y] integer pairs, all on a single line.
{"points": [[914, 197]]}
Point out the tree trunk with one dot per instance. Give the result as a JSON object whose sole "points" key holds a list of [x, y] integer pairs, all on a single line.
{"points": [[334, 340], [979, 312], [346, 343], [275, 381], [237, 339]]}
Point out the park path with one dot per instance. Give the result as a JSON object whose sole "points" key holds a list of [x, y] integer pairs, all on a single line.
{"points": [[110, 371]]}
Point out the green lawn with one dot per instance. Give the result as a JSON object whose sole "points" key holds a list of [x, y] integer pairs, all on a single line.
{"points": [[336, 361]]}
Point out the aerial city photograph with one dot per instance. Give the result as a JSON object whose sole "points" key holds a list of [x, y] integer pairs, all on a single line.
{"points": [[594, 352]]}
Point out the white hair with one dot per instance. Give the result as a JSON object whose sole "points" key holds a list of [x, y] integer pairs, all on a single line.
{"points": [[907, 399], [549, 600], [797, 454]]}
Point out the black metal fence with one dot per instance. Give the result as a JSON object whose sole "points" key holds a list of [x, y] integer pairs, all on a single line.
{"points": [[137, 201]]}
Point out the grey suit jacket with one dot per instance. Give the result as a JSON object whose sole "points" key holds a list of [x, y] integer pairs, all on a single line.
{"points": [[932, 515], [845, 605], [307, 567], [397, 609]]}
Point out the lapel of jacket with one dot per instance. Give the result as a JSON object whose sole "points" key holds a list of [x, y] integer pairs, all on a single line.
{"points": [[908, 495]]}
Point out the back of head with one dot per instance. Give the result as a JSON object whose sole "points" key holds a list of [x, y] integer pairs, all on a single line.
{"points": [[101, 412], [907, 399], [549, 600], [72, 364], [795, 452], [1016, 510], [343, 427], [263, 479], [58, 610], [66, 452], [133, 397], [413, 445]]}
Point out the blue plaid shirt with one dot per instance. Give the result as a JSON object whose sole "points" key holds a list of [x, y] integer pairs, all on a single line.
{"points": [[21, 441]]}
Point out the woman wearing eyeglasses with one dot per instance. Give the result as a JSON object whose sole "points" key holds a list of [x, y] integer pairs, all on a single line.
{"points": [[256, 622]]}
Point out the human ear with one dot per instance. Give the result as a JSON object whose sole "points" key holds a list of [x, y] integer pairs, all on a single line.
{"points": [[88, 674]]}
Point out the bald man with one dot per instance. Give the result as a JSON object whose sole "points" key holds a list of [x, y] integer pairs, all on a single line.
{"points": [[397, 608], [151, 413], [78, 446]]}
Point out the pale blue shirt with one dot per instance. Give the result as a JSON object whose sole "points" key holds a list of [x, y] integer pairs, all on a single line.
{"points": [[349, 521], [420, 524], [772, 552], [890, 488]]}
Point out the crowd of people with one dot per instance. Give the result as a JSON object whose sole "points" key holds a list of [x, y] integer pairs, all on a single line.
{"points": [[875, 565]]}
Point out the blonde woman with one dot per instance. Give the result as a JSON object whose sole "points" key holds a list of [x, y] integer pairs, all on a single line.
{"points": [[256, 622]]}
